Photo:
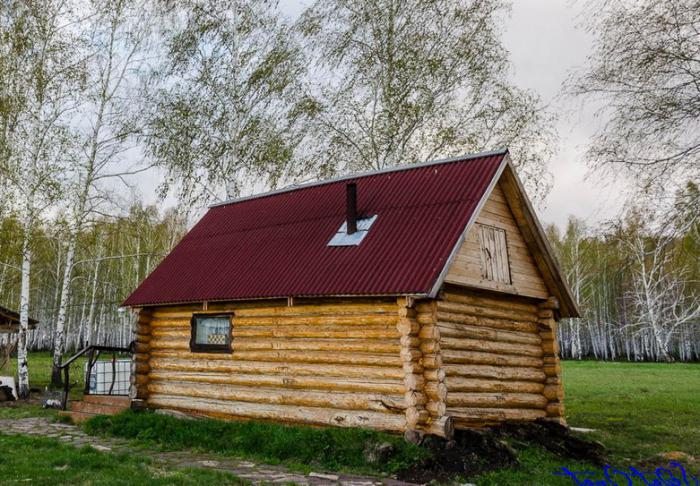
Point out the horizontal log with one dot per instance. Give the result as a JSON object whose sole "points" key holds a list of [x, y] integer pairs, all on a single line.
{"points": [[484, 301], [274, 368], [409, 354], [409, 341], [429, 332], [442, 427], [319, 310], [141, 367], [368, 385], [494, 400], [459, 384], [406, 312], [407, 326], [555, 409], [552, 369], [475, 357], [471, 416], [414, 381], [142, 338], [139, 379], [432, 361], [435, 375], [505, 373], [472, 310], [464, 344], [436, 391], [383, 346], [553, 392], [505, 324], [329, 320], [436, 409], [415, 417], [412, 367], [261, 395], [141, 347], [485, 333], [414, 398], [429, 346], [281, 413], [284, 356], [285, 332]]}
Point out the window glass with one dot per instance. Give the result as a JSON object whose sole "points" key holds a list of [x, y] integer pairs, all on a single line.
{"points": [[211, 333]]}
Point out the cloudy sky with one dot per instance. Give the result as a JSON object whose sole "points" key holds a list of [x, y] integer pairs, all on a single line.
{"points": [[546, 43]]}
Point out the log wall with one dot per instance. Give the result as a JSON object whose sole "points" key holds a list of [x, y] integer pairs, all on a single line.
{"points": [[344, 363], [498, 358]]}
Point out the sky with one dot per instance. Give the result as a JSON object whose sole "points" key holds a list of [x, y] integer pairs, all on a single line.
{"points": [[546, 43]]}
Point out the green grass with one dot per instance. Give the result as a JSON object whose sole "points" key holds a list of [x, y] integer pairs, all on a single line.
{"points": [[638, 409], [44, 461], [298, 447], [40, 371]]}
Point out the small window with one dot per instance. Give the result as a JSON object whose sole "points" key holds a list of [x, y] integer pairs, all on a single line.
{"points": [[494, 254], [211, 333]]}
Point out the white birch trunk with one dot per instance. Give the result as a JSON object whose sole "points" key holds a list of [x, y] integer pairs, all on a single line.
{"points": [[59, 336], [22, 365]]}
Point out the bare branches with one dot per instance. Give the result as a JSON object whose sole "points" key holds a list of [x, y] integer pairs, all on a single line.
{"points": [[646, 69]]}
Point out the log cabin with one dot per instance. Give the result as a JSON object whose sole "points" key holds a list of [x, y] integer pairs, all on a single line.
{"points": [[9, 321], [416, 299]]}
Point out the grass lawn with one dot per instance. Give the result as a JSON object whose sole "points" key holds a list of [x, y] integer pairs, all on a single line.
{"points": [[637, 409], [40, 371], [35, 460]]}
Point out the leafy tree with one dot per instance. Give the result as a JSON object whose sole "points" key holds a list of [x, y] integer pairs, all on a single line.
{"points": [[645, 68], [406, 80], [44, 73], [226, 114], [116, 37]]}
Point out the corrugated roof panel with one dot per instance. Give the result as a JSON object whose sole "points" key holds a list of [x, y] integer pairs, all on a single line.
{"points": [[276, 245]]}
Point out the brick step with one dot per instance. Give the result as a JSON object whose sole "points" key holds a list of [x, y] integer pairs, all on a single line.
{"points": [[75, 416], [115, 400], [96, 408]]}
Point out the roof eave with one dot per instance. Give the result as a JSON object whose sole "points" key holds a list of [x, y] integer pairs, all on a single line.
{"points": [[544, 257]]}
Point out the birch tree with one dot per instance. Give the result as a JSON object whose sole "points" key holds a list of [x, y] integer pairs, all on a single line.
{"points": [[645, 69], [661, 301], [45, 74], [117, 34], [228, 111], [408, 80]]}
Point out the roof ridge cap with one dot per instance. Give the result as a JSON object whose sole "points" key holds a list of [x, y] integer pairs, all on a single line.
{"points": [[355, 175]]}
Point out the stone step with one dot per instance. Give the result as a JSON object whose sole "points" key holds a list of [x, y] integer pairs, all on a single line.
{"points": [[115, 400]]}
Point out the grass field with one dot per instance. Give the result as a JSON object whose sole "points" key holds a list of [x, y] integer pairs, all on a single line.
{"points": [[638, 410], [43, 461]]}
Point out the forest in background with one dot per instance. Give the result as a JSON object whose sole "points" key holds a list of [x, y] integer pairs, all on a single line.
{"points": [[224, 100], [624, 274]]}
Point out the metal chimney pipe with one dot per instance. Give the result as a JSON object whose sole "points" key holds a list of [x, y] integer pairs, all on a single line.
{"points": [[351, 216]]}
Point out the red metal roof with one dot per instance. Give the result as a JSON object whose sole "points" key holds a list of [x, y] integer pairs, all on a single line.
{"points": [[276, 244]]}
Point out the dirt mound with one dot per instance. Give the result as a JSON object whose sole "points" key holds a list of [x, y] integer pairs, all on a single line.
{"points": [[480, 450]]}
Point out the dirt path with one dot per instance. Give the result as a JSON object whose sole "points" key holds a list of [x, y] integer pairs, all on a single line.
{"points": [[256, 473]]}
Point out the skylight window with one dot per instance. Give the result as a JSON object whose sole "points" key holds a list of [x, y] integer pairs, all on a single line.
{"points": [[342, 238]]}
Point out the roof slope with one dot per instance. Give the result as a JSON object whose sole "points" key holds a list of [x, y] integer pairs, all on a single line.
{"points": [[276, 244]]}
